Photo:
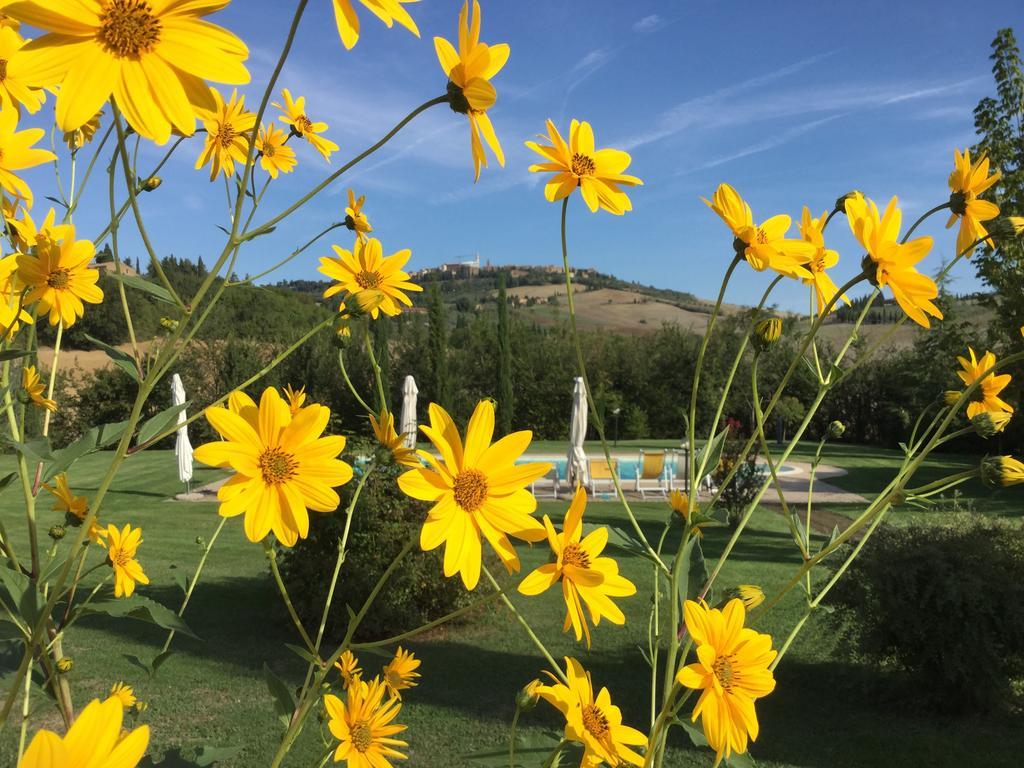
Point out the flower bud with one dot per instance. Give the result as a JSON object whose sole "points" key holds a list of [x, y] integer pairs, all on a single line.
{"points": [[57, 532], [836, 429], [23, 396], [870, 269], [200, 541], [841, 201], [958, 203], [169, 323], [528, 696], [141, 706], [990, 423], [151, 184], [457, 99], [1001, 471], [751, 595], [766, 333], [65, 664], [951, 397]]}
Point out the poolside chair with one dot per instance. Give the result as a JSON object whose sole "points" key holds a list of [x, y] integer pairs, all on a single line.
{"points": [[679, 476], [545, 490], [601, 474], [650, 473]]}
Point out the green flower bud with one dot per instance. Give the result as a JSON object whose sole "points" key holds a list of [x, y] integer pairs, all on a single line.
{"points": [[841, 201], [57, 532], [751, 595], [457, 99], [65, 664], [151, 184], [528, 696], [836, 429], [767, 333], [989, 424], [951, 397], [1003, 471]]}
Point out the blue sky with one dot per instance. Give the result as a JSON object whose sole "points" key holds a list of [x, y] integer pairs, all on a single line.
{"points": [[792, 103]]}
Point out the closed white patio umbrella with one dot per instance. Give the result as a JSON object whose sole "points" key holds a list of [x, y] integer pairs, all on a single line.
{"points": [[576, 468], [182, 446], [408, 423]]}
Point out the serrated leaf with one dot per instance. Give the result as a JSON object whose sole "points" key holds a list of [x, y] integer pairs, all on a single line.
{"points": [[624, 540], [180, 579], [159, 423], [122, 360], [142, 609], [713, 451], [284, 702], [37, 449], [158, 292]]}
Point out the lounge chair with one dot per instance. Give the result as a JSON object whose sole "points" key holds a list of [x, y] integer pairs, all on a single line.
{"points": [[545, 490], [650, 473], [680, 478], [600, 474]]}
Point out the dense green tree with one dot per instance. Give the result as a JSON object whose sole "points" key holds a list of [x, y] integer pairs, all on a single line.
{"points": [[437, 351], [506, 402]]}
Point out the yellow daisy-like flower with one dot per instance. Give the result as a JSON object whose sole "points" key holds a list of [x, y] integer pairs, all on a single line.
{"points": [[764, 246], [731, 672], [59, 278], [121, 548], [364, 725], [597, 172], [348, 667], [18, 154], [966, 183], [283, 465], [123, 693], [593, 721], [387, 436], [296, 398], [15, 89], [470, 92], [25, 234], [813, 231], [1002, 470], [477, 488], [587, 578], [152, 56], [751, 595], [680, 504], [991, 385], [79, 137], [400, 673], [302, 126], [388, 11], [76, 508], [34, 388], [228, 128], [94, 739], [355, 219], [12, 312], [376, 282], [276, 157], [894, 262]]}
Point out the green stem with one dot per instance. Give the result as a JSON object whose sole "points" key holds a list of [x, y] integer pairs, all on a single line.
{"points": [[272, 557], [297, 252], [381, 396], [195, 579], [395, 639], [348, 382]]}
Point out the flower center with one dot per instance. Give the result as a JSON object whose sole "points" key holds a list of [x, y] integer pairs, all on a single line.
{"points": [[276, 466], [226, 134], [582, 165], [303, 124], [3, 69], [59, 279], [761, 237], [818, 263], [120, 557], [724, 672], [574, 555], [128, 27], [470, 489], [367, 279], [269, 150], [361, 735], [595, 721]]}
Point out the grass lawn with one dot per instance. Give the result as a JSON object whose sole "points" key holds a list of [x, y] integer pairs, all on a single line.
{"points": [[826, 711]]}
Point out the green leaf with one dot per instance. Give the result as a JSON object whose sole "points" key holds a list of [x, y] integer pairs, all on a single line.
{"points": [[122, 360], [284, 702], [623, 540], [13, 354], [158, 292], [207, 756], [697, 737], [37, 449], [159, 423], [713, 451], [531, 751], [692, 573], [303, 654], [143, 609], [7, 480], [24, 596], [831, 538]]}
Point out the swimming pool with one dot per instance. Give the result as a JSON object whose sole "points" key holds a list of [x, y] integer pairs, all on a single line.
{"points": [[628, 468]]}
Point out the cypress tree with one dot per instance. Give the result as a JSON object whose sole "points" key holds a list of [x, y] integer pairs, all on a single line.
{"points": [[506, 405], [437, 349], [381, 338]]}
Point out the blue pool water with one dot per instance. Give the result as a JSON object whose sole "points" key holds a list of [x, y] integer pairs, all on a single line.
{"points": [[628, 467]]}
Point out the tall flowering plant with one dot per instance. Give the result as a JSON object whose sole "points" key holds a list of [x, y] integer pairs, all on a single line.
{"points": [[158, 69]]}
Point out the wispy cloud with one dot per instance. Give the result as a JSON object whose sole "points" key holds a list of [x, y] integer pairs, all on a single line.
{"points": [[648, 24]]}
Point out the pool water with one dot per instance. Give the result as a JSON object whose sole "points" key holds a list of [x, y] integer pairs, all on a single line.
{"points": [[628, 468]]}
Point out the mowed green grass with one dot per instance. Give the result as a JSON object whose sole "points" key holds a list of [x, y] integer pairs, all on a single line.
{"points": [[825, 712]]}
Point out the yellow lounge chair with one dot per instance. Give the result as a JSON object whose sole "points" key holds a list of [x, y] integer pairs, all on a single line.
{"points": [[601, 472], [650, 473]]}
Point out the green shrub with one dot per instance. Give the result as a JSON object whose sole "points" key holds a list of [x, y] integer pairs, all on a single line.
{"points": [[943, 604], [384, 520]]}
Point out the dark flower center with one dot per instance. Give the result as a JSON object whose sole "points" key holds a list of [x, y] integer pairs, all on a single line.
{"points": [[573, 554], [58, 279], [276, 466], [362, 736], [128, 27], [582, 165], [724, 672], [367, 279], [594, 721], [470, 489]]}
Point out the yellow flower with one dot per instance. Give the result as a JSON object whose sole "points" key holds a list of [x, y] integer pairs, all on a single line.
{"points": [[59, 278], [966, 183], [680, 503], [123, 693], [34, 387], [228, 128], [302, 126], [355, 219], [121, 547], [79, 137], [12, 312], [813, 231], [731, 673], [275, 156], [388, 11], [296, 398], [989, 424], [375, 281], [767, 332], [751, 595], [764, 246], [1002, 470], [400, 673], [593, 722], [469, 72], [15, 88], [597, 172], [364, 726], [384, 429], [284, 466], [990, 387], [25, 234], [477, 488], [348, 666], [94, 739], [75, 508], [17, 153], [894, 262], [152, 57], [587, 578]]}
